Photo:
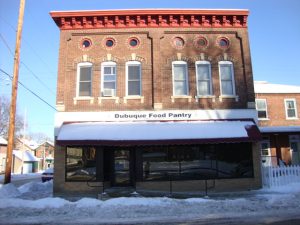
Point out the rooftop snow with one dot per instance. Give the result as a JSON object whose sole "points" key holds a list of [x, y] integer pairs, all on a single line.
{"points": [[3, 141], [265, 87], [26, 157]]}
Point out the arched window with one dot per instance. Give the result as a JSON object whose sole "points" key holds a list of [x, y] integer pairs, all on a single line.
{"points": [[203, 74], [226, 78], [108, 79], [134, 78], [84, 79], [180, 78]]}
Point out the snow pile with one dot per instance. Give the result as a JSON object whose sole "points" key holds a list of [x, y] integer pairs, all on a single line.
{"points": [[36, 187], [32, 203], [9, 191]]}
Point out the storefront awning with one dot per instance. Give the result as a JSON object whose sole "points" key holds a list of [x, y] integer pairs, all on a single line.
{"points": [[157, 133]]}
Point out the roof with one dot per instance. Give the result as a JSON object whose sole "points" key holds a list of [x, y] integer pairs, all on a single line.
{"points": [[263, 87], [26, 157], [135, 18], [280, 129], [157, 133], [29, 143], [3, 141]]}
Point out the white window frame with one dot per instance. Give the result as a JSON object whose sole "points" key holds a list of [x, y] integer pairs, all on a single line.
{"points": [[269, 149], [232, 79], [209, 79], [186, 77], [79, 65], [108, 64], [129, 63], [286, 109], [266, 109]]}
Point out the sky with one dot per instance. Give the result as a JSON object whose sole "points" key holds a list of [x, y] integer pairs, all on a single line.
{"points": [[274, 32]]}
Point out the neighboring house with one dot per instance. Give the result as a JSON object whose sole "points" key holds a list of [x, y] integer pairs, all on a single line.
{"points": [[149, 96], [279, 122], [25, 144], [3, 149], [24, 162], [45, 153]]}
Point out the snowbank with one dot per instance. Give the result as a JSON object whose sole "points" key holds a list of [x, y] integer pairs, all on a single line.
{"points": [[33, 202]]}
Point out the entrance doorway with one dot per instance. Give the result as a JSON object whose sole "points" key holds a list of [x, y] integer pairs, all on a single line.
{"points": [[122, 167]]}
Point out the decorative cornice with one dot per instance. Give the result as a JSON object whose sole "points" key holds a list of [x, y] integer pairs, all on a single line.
{"points": [[74, 20]]}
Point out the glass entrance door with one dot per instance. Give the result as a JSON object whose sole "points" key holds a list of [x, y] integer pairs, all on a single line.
{"points": [[122, 168]]}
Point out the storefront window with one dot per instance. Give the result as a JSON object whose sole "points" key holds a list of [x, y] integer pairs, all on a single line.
{"points": [[197, 162], [80, 164], [235, 161]]}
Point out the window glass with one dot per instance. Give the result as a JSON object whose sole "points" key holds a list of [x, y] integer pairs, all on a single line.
{"points": [[265, 149], [197, 162], [134, 79], [180, 79], [203, 75], [235, 160], [109, 79], [85, 81], [261, 107], [290, 109], [80, 164], [226, 75]]}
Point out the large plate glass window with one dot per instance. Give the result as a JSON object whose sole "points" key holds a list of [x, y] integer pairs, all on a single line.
{"points": [[133, 74], [109, 78], [203, 73], [261, 107], [290, 109], [84, 79], [80, 164], [180, 78], [226, 78]]}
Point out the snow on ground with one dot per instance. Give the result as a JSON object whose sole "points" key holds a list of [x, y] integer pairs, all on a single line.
{"points": [[32, 203]]}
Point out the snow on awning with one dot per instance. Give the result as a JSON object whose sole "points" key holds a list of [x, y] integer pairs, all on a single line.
{"points": [[280, 129], [157, 133]]}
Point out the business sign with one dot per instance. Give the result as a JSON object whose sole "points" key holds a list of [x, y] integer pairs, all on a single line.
{"points": [[152, 116]]}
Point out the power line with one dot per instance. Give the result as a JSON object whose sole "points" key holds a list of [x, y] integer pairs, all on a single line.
{"points": [[36, 95], [36, 77], [6, 44], [29, 45]]}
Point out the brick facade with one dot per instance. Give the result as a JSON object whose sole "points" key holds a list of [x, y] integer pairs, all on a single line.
{"points": [[156, 32], [278, 130], [156, 54]]}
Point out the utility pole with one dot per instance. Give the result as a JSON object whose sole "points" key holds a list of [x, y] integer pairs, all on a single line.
{"points": [[14, 92]]}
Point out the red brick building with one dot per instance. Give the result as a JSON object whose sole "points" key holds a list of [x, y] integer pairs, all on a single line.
{"points": [[278, 116], [45, 152], [146, 97]]}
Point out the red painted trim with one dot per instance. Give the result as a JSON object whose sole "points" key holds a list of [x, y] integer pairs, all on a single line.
{"points": [[154, 142], [70, 20], [149, 11]]}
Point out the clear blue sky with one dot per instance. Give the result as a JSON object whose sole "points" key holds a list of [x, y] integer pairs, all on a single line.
{"points": [[274, 29]]}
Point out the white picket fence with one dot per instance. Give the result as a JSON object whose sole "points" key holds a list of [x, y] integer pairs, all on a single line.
{"points": [[274, 176]]}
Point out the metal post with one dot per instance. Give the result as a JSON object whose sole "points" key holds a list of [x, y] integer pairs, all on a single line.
{"points": [[171, 186]]}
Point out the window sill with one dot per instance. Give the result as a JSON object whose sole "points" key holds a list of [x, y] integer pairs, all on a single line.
{"points": [[221, 97], [86, 98], [293, 118], [263, 119], [134, 97], [181, 97], [213, 97], [116, 99]]}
